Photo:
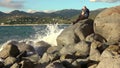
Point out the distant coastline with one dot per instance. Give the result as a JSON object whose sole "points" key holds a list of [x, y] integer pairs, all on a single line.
{"points": [[29, 24]]}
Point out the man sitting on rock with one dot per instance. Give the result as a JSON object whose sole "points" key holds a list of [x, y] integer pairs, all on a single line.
{"points": [[83, 15]]}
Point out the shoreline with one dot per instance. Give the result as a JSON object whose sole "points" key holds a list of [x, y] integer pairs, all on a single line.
{"points": [[31, 24]]}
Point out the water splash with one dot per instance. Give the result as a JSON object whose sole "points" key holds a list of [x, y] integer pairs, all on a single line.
{"points": [[49, 34]]}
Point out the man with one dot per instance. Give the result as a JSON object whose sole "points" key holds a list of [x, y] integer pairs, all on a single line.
{"points": [[83, 15]]}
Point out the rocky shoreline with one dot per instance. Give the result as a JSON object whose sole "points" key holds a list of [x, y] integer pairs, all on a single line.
{"points": [[87, 44]]}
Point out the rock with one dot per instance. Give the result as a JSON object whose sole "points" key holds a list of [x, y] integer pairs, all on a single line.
{"points": [[84, 29], [1, 65], [45, 59], [110, 52], [67, 52], [82, 63], [41, 47], [53, 49], [22, 46], [73, 34], [9, 50], [92, 37], [76, 64], [55, 64], [67, 37], [15, 65], [82, 49], [109, 63], [9, 61], [22, 54], [27, 64], [33, 58], [94, 52], [67, 63], [93, 66], [68, 49], [107, 24]]}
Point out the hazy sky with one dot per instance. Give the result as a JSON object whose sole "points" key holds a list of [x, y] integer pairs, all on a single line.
{"points": [[51, 5]]}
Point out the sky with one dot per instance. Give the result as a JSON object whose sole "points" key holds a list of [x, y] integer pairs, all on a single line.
{"points": [[54, 5]]}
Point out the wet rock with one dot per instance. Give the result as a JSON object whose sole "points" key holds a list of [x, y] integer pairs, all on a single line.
{"points": [[22, 46], [41, 47], [107, 24]]}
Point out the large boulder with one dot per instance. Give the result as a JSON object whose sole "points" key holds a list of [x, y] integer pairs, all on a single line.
{"points": [[22, 46], [9, 50], [107, 24], [74, 33]]}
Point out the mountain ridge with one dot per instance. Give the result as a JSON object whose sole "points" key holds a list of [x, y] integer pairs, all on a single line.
{"points": [[61, 16]]}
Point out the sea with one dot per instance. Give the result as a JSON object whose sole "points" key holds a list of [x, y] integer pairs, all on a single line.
{"points": [[41, 32]]}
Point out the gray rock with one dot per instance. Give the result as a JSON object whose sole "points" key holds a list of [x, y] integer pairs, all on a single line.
{"points": [[94, 52], [73, 34], [107, 24], [22, 46], [82, 49], [45, 59], [9, 50], [53, 49], [33, 58], [84, 29], [93, 37], [41, 47], [68, 49]]}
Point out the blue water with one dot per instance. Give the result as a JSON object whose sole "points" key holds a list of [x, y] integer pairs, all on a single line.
{"points": [[23, 32]]}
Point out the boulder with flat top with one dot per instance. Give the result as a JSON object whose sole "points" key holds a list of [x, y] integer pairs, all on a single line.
{"points": [[107, 24]]}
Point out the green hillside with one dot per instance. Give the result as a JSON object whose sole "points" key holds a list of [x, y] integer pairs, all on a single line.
{"points": [[63, 16]]}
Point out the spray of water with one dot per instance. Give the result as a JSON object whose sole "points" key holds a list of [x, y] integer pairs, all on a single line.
{"points": [[49, 35]]}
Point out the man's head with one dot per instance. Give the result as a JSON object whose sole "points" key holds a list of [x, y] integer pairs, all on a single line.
{"points": [[84, 7]]}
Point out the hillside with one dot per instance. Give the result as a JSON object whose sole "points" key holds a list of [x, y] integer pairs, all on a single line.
{"points": [[62, 16]]}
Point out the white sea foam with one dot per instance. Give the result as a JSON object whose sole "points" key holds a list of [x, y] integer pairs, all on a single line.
{"points": [[51, 33]]}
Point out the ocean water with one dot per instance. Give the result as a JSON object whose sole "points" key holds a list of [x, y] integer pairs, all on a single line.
{"points": [[47, 33]]}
